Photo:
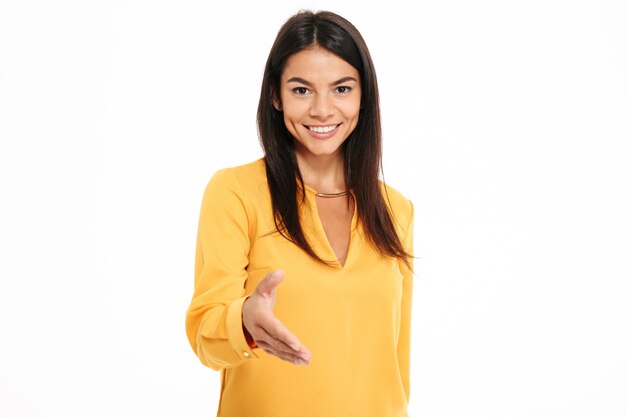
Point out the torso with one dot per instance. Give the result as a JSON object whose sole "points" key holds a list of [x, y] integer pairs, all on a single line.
{"points": [[345, 316]]}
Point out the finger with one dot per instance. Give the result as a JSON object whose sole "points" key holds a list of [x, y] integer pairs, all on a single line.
{"points": [[270, 282], [296, 360], [278, 345], [277, 331]]}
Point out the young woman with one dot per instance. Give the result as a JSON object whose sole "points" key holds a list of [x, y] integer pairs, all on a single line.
{"points": [[303, 272]]}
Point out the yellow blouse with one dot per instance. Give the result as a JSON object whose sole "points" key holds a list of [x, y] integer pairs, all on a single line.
{"points": [[354, 319]]}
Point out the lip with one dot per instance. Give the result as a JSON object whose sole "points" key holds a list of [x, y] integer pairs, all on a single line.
{"points": [[326, 135]]}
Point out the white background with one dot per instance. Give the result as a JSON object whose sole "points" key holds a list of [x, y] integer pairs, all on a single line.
{"points": [[504, 122]]}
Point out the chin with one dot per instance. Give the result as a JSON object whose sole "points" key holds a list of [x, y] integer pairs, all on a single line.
{"points": [[320, 151]]}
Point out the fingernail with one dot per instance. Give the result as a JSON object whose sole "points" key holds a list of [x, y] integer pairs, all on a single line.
{"points": [[295, 347]]}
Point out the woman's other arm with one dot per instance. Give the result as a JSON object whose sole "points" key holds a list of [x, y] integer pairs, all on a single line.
{"points": [[404, 343]]}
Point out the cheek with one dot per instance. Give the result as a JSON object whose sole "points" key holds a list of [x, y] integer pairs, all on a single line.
{"points": [[290, 117], [353, 113], [293, 110], [352, 108], [291, 122]]}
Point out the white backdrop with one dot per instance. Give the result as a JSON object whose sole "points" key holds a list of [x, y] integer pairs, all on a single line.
{"points": [[504, 122]]}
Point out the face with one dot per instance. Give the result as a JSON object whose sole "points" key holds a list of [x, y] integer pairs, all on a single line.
{"points": [[320, 95]]}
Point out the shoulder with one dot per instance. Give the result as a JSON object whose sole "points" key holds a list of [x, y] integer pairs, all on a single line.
{"points": [[247, 178], [233, 193], [400, 207]]}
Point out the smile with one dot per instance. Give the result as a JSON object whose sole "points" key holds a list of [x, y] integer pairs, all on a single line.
{"points": [[322, 129]]}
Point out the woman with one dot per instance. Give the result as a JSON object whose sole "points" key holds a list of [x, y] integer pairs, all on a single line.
{"points": [[303, 257]]}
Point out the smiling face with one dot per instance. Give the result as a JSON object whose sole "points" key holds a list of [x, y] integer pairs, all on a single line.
{"points": [[320, 95]]}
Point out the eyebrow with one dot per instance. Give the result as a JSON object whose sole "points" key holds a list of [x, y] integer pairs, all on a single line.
{"points": [[308, 83]]}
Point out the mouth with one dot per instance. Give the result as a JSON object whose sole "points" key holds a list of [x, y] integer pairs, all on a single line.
{"points": [[323, 129]]}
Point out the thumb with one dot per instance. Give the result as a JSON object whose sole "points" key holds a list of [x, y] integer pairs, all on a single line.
{"points": [[268, 284]]}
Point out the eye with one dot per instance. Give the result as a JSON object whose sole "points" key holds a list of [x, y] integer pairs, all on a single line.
{"points": [[300, 91], [343, 89]]}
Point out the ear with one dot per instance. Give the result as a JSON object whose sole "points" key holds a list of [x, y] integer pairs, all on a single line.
{"points": [[275, 100], [277, 105]]}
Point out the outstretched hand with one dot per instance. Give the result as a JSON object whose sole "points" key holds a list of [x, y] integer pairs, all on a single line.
{"points": [[267, 331]]}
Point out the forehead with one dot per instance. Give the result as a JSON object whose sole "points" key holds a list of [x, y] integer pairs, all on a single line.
{"points": [[317, 65]]}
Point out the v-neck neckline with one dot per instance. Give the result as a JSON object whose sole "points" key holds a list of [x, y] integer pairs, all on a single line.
{"points": [[312, 197]]}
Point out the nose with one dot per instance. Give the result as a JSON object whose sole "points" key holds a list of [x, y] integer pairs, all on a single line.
{"points": [[322, 107]]}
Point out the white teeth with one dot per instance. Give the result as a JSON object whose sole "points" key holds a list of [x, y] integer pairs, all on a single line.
{"points": [[324, 129]]}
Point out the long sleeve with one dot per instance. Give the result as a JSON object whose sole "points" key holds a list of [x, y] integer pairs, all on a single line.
{"points": [[404, 342], [213, 319]]}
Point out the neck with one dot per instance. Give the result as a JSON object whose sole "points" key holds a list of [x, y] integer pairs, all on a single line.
{"points": [[322, 173]]}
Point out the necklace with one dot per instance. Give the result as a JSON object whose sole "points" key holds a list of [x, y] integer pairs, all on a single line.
{"points": [[331, 195]]}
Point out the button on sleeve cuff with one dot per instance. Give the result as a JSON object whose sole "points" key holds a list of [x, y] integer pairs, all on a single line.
{"points": [[234, 326]]}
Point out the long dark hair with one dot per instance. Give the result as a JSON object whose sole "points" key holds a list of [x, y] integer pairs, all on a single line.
{"points": [[362, 149]]}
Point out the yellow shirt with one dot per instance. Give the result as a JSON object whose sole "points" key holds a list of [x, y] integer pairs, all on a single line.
{"points": [[354, 319]]}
